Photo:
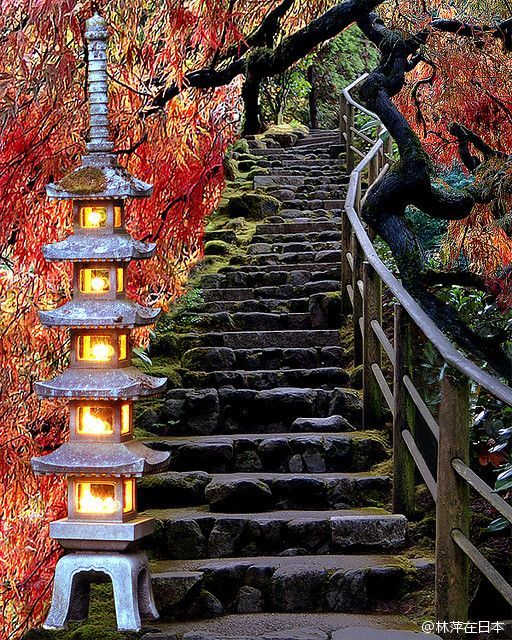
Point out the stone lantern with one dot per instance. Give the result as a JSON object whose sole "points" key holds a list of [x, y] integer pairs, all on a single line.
{"points": [[102, 460]]}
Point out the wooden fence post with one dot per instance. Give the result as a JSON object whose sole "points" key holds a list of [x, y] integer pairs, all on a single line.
{"points": [[404, 418], [350, 138], [452, 564], [372, 349]]}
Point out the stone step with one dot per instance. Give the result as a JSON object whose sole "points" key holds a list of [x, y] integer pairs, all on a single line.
{"points": [[238, 278], [319, 215], [291, 238], [229, 322], [176, 344], [295, 257], [274, 452], [293, 305], [294, 227], [215, 358], [278, 292], [262, 491], [309, 203], [284, 626], [301, 272], [343, 583], [194, 533], [293, 247], [310, 163], [324, 378], [297, 182]]}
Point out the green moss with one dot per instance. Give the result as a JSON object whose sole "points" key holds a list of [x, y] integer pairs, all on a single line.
{"points": [[217, 248], [84, 181], [101, 624]]}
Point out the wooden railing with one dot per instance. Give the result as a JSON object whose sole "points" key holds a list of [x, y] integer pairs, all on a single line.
{"points": [[363, 277]]}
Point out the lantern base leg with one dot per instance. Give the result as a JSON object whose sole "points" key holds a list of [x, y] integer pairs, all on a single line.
{"points": [[129, 572]]}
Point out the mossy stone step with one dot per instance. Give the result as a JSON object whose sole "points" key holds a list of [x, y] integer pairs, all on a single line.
{"points": [[325, 377], [216, 358], [274, 452], [292, 246], [324, 256], [291, 227], [293, 238], [230, 492], [352, 583], [229, 322], [293, 305], [272, 292], [189, 534]]}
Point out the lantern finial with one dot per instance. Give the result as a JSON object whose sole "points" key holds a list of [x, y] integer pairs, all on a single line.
{"points": [[97, 36]]}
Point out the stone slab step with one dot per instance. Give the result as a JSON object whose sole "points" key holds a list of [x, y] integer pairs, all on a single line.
{"points": [[293, 238], [293, 246], [287, 626], [194, 533], [176, 344], [295, 257], [273, 292], [293, 305], [318, 338], [266, 276], [309, 203], [277, 453], [262, 491], [318, 270], [227, 410], [353, 583], [298, 227], [233, 322], [325, 377], [215, 358]]}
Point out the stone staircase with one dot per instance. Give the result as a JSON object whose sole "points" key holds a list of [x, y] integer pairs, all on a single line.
{"points": [[273, 519]]}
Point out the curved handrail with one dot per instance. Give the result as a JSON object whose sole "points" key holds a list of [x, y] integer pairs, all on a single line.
{"points": [[445, 347]]}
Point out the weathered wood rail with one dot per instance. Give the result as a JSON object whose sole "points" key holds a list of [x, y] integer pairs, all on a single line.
{"points": [[363, 276]]}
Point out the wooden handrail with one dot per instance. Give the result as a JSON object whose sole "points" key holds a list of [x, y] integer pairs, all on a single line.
{"points": [[362, 275]]}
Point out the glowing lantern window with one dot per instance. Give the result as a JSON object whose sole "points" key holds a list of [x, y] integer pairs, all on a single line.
{"points": [[129, 496], [96, 498], [120, 280], [125, 418], [93, 217], [123, 347], [96, 348], [118, 217], [94, 280], [95, 420]]}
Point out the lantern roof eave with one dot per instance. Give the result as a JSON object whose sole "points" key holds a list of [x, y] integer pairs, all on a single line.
{"points": [[81, 313], [93, 458]]}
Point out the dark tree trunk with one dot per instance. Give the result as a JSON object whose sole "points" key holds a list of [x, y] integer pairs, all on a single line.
{"points": [[313, 97], [252, 108]]}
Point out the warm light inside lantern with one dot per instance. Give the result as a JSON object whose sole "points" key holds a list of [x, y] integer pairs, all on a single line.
{"points": [[96, 348], [93, 217], [96, 421], [125, 418], [118, 217], [96, 498], [129, 496], [120, 279], [94, 280], [123, 346]]}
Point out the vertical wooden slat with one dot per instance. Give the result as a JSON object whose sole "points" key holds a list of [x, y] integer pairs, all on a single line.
{"points": [[404, 417], [357, 275], [452, 565], [343, 113], [372, 349], [350, 138], [346, 271]]}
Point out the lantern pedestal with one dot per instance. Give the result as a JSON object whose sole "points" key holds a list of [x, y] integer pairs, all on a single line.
{"points": [[129, 573]]}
